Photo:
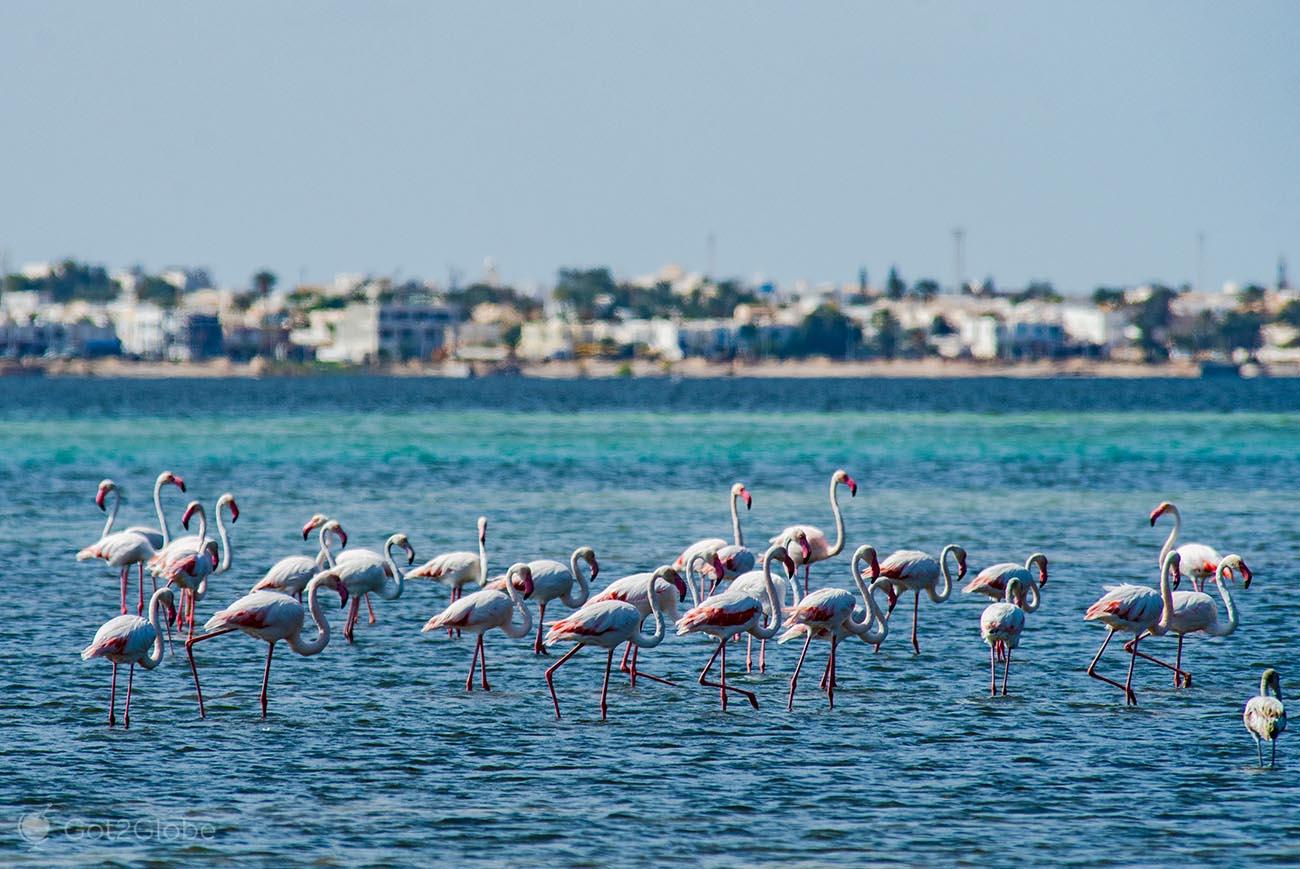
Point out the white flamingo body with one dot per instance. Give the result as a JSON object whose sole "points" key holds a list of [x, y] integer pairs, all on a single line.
{"points": [[992, 580], [808, 544], [1134, 609], [121, 550], [1196, 612], [364, 572], [157, 537], [553, 579], [1198, 560], [486, 609], [183, 547], [635, 588], [130, 640], [292, 573], [916, 571], [1265, 716]]}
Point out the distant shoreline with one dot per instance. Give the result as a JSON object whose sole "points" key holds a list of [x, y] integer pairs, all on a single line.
{"points": [[611, 369]]}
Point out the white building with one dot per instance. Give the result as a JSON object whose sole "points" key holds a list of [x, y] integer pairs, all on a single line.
{"points": [[369, 332]]}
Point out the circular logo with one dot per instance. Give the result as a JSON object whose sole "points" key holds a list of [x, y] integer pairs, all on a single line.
{"points": [[34, 827]]}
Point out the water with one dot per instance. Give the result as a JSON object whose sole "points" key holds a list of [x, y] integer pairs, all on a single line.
{"points": [[374, 754]]}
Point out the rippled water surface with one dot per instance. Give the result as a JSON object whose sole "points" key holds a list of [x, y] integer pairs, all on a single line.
{"points": [[374, 753]]}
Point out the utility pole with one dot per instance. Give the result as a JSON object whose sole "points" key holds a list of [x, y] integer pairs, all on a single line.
{"points": [[959, 257]]}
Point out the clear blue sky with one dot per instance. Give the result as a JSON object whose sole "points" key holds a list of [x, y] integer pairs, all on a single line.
{"points": [[1086, 143]]}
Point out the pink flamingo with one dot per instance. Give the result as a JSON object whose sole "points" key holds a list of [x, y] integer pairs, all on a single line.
{"points": [[815, 547], [669, 589], [608, 623], [121, 550], [829, 613], [130, 640], [1265, 716], [189, 567], [735, 556], [1134, 609], [992, 580], [292, 573], [1198, 560], [486, 609], [552, 580], [365, 571], [1195, 612], [157, 538], [753, 583], [915, 571], [458, 569], [1001, 625], [270, 617], [734, 612]]}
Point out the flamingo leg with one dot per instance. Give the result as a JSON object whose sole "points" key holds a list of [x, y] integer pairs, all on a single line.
{"points": [[1128, 683], [126, 714], [1092, 668], [112, 703], [538, 648], [1006, 669], [604, 688], [636, 672], [826, 675], [139, 607], [455, 595], [473, 663], [1178, 664], [636, 651], [351, 623], [916, 612], [892, 594], [266, 676], [124, 581], [189, 652], [1272, 760], [749, 653], [627, 653], [993, 670], [370, 609], [723, 686], [806, 568], [482, 663], [1259, 751], [191, 619], [1131, 646], [794, 677], [550, 674], [830, 676], [762, 656]]}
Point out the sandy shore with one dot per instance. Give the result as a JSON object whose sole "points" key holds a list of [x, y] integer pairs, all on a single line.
{"points": [[698, 368]]}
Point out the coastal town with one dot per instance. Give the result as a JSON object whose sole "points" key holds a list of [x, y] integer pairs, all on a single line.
{"points": [[71, 317]]}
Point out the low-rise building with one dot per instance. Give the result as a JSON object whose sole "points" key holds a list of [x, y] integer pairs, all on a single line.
{"points": [[366, 333]]}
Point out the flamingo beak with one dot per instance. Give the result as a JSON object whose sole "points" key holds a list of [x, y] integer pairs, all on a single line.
{"points": [[234, 511], [410, 553], [961, 569], [185, 520], [718, 569], [789, 565], [804, 549], [1157, 513], [749, 499], [171, 613], [853, 486], [528, 586], [343, 538], [875, 567], [595, 568], [1178, 576], [1246, 575], [1042, 577], [343, 594], [681, 586], [177, 482], [99, 498], [306, 529]]}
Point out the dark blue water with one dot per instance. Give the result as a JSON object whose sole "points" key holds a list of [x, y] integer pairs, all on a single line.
{"points": [[374, 754]]}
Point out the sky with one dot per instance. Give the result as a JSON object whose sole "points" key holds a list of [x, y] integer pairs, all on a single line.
{"points": [[1083, 143]]}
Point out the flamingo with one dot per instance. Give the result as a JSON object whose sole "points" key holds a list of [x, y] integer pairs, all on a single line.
{"points": [[271, 616], [1265, 716], [457, 569], [292, 573], [551, 579], [157, 538], [735, 556], [1195, 611], [1198, 560], [815, 547], [669, 590], [121, 550], [734, 612], [915, 571], [608, 623], [830, 613], [1001, 625], [753, 583], [183, 547], [190, 568], [130, 640], [365, 571], [1134, 609], [486, 609], [992, 580]]}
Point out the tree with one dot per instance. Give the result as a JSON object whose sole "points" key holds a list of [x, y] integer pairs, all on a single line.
{"points": [[827, 332], [925, 289], [889, 332], [940, 326], [1110, 298], [1251, 298], [1041, 291], [579, 288], [1290, 314], [263, 282], [895, 287], [1152, 317], [1241, 330]]}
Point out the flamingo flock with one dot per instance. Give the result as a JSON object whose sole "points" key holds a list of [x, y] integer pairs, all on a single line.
{"points": [[734, 591]]}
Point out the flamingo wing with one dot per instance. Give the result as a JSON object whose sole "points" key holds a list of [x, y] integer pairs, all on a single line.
{"points": [[727, 610], [291, 574], [1126, 605], [607, 622], [486, 608]]}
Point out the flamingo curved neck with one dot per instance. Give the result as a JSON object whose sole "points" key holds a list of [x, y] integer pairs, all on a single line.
{"points": [[525, 626], [224, 564], [569, 599], [324, 555], [1222, 629], [735, 520], [941, 596], [773, 625], [1172, 539], [872, 614], [838, 547], [482, 560], [112, 514], [315, 646], [393, 591], [1032, 598], [157, 508], [696, 597], [155, 656], [1167, 601], [649, 641]]}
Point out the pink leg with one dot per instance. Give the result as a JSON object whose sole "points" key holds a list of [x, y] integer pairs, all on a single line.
{"points": [[473, 662], [830, 683], [794, 678], [482, 663], [916, 611], [993, 671], [189, 652], [126, 714], [266, 676], [538, 648], [627, 652], [749, 653], [139, 607], [370, 609], [722, 686], [1006, 669], [1092, 668], [351, 623], [1128, 683], [762, 656], [550, 674], [123, 578], [1176, 668], [112, 699], [604, 688], [637, 674], [806, 568]]}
